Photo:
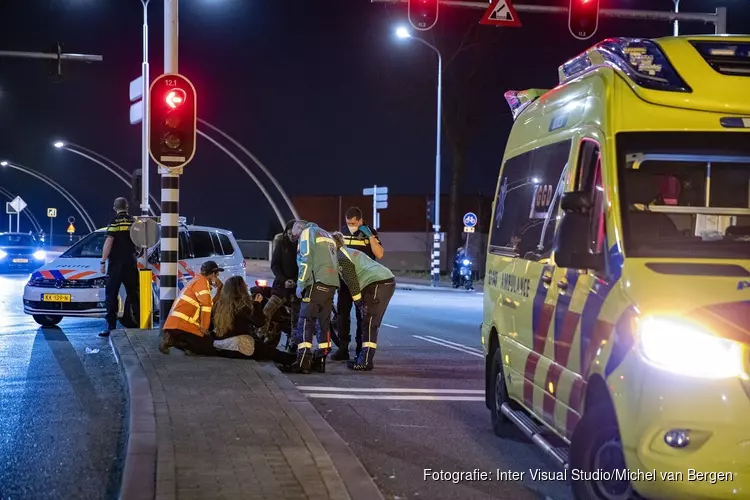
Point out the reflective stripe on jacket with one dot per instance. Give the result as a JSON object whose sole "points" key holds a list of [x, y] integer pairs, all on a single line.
{"points": [[192, 309]]}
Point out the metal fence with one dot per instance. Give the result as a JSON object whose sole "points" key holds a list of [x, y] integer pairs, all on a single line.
{"points": [[256, 249]]}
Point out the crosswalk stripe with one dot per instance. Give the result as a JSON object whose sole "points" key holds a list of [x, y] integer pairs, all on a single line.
{"points": [[313, 388], [443, 344]]}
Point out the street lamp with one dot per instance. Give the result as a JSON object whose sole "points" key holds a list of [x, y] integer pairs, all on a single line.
{"points": [[110, 165], [404, 34]]}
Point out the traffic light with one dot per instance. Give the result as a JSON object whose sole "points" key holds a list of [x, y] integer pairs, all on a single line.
{"points": [[583, 18], [173, 115], [137, 184], [423, 14]]}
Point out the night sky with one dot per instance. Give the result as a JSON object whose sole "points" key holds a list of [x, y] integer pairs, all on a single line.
{"points": [[319, 90]]}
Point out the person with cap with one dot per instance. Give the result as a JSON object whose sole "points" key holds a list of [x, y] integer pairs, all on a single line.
{"points": [[317, 282], [284, 268], [372, 286], [120, 251], [189, 320], [358, 236]]}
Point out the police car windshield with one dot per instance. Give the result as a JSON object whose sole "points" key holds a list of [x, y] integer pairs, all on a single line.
{"points": [[685, 195], [17, 240], [89, 247]]}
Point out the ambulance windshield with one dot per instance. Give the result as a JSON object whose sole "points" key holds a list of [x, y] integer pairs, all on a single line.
{"points": [[685, 195]]}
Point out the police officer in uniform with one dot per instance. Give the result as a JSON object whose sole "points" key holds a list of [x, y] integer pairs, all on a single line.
{"points": [[120, 251], [358, 236]]}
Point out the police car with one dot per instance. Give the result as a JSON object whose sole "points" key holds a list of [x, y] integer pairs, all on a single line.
{"points": [[73, 286]]}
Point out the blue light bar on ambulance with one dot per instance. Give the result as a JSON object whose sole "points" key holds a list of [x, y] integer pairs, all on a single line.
{"points": [[520, 100], [644, 62]]}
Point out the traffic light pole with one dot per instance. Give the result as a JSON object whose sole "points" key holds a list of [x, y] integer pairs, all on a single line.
{"points": [[718, 18], [170, 181], [145, 74]]}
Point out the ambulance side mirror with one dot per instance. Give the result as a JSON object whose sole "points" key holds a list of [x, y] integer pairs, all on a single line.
{"points": [[573, 235]]}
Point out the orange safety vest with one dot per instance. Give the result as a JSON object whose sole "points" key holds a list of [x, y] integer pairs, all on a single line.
{"points": [[192, 309]]}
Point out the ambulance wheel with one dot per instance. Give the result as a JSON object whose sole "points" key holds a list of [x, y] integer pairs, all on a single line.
{"points": [[596, 445], [45, 320], [498, 396]]}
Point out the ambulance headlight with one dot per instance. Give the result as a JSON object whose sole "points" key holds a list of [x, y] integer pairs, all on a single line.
{"points": [[685, 348]]}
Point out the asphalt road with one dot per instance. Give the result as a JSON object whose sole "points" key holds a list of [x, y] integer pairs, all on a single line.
{"points": [[423, 406], [62, 405]]}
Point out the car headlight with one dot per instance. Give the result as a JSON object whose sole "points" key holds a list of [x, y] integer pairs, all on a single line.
{"points": [[40, 255], [3, 254], [685, 348], [467, 262]]}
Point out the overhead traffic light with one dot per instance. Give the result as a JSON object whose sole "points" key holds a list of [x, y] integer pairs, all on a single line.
{"points": [[173, 121], [423, 14], [583, 18]]}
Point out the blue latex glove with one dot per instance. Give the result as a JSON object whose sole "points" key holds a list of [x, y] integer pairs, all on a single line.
{"points": [[365, 230], [300, 290]]}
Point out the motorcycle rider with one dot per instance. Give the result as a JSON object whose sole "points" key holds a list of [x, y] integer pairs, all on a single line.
{"points": [[317, 282], [358, 236], [372, 286], [457, 263], [284, 268]]}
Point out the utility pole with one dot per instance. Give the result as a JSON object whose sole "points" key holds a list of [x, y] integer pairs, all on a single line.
{"points": [[58, 56], [145, 160], [170, 180]]}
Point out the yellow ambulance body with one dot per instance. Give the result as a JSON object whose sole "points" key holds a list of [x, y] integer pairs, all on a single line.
{"points": [[617, 299]]}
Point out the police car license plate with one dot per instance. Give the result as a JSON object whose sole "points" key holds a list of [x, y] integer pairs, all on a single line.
{"points": [[20, 261], [55, 297]]}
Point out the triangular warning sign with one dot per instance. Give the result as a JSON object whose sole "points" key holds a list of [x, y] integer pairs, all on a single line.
{"points": [[71, 228], [501, 13]]}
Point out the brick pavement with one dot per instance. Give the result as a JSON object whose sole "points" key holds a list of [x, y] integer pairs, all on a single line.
{"points": [[227, 429]]}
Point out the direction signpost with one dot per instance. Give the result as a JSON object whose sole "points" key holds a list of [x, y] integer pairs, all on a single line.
{"points": [[470, 224], [51, 213], [15, 207], [379, 202]]}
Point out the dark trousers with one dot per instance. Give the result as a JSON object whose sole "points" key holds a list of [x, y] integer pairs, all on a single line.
{"points": [[344, 306], [317, 303], [194, 343], [122, 273], [375, 300]]}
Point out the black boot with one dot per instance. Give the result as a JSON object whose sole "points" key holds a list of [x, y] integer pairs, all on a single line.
{"points": [[341, 354], [302, 364], [319, 361], [364, 360]]}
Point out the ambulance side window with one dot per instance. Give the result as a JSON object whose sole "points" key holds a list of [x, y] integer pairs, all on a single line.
{"points": [[511, 211], [589, 180], [547, 167]]}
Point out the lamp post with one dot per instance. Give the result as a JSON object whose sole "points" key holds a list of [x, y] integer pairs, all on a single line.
{"points": [[104, 162], [57, 187], [403, 33]]}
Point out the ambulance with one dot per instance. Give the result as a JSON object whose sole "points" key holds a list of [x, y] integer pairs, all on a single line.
{"points": [[616, 326]]}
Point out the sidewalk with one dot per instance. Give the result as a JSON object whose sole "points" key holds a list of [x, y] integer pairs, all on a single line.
{"points": [[215, 428]]}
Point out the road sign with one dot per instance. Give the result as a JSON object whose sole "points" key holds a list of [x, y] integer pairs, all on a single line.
{"points": [[381, 197], [136, 113], [9, 209], [71, 219], [144, 233], [469, 229], [71, 228], [381, 205], [18, 204], [51, 213], [136, 89], [501, 13], [470, 220], [371, 191]]}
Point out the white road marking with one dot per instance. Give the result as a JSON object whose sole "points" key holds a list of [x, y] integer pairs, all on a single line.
{"points": [[453, 343], [391, 389], [404, 397], [389, 326], [473, 353]]}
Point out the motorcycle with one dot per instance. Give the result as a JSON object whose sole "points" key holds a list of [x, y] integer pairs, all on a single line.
{"points": [[282, 319], [463, 275]]}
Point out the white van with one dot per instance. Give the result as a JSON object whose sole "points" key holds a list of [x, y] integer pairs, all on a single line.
{"points": [[72, 284]]}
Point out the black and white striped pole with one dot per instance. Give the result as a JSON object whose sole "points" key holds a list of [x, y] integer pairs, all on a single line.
{"points": [[172, 139]]}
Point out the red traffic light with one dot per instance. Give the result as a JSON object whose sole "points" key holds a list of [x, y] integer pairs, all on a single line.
{"points": [[175, 97], [583, 20], [423, 14]]}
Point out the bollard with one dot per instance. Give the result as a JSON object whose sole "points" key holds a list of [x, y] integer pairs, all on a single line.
{"points": [[145, 322]]}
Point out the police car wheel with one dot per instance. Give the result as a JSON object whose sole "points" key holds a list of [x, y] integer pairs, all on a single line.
{"points": [[498, 396], [596, 449], [45, 320]]}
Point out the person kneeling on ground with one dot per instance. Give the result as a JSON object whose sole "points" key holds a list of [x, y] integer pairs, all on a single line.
{"points": [[372, 285], [237, 318], [189, 319]]}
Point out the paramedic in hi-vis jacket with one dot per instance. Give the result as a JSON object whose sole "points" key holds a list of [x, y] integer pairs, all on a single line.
{"points": [[317, 282], [372, 285]]}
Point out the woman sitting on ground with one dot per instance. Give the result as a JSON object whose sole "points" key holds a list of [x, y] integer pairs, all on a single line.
{"points": [[236, 318]]}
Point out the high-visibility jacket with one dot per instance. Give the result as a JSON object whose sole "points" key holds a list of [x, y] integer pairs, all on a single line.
{"points": [[358, 271], [316, 258], [192, 309]]}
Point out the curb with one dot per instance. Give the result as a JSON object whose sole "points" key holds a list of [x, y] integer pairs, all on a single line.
{"points": [[430, 288], [357, 480], [139, 471]]}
